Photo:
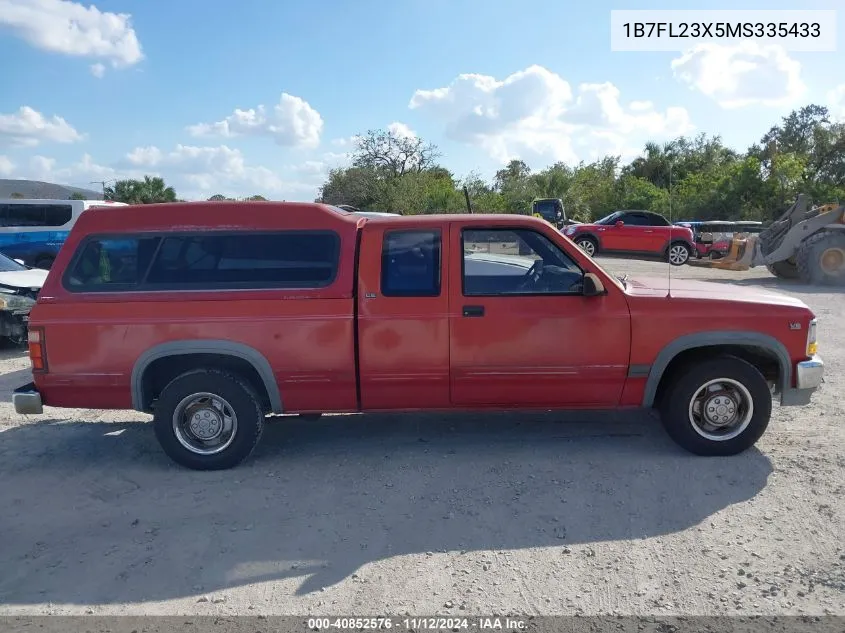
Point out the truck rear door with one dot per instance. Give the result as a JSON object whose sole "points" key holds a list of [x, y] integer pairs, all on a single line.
{"points": [[403, 316]]}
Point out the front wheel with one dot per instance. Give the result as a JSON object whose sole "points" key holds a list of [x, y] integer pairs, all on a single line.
{"points": [[44, 262], [678, 254], [587, 245], [821, 258], [786, 269], [208, 419], [718, 407]]}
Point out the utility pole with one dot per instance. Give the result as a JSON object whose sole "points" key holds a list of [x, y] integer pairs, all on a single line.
{"points": [[103, 184]]}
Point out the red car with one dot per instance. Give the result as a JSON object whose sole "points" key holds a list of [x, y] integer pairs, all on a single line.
{"points": [[211, 315], [635, 233]]}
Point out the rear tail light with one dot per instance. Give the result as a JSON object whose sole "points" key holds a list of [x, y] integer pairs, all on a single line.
{"points": [[37, 350]]}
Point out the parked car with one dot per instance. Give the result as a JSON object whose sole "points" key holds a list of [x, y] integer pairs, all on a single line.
{"points": [[212, 315], [635, 234], [19, 287], [34, 230]]}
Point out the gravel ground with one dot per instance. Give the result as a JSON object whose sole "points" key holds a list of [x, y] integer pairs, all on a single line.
{"points": [[422, 514]]}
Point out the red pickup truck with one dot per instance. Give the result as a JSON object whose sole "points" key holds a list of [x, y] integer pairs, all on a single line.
{"points": [[212, 315]]}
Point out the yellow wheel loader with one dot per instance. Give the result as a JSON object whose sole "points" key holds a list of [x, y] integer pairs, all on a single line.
{"points": [[803, 244]]}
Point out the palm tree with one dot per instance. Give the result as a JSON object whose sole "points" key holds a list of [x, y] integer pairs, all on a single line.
{"points": [[150, 190]]}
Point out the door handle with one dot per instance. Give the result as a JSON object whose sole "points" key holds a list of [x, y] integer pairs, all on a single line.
{"points": [[473, 311]]}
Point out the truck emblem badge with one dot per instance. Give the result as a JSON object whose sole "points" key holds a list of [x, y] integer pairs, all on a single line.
{"points": [[794, 325], [370, 295]]}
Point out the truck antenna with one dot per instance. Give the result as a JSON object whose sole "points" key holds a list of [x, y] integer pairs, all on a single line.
{"points": [[671, 229]]}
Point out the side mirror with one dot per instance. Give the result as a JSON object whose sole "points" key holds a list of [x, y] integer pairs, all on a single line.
{"points": [[619, 224], [593, 287]]}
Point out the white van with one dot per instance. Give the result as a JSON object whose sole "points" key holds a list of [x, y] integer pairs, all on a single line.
{"points": [[33, 231]]}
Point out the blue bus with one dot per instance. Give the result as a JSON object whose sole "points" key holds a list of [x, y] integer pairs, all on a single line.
{"points": [[33, 231]]}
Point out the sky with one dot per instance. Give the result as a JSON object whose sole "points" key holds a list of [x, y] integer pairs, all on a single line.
{"points": [[263, 97]]}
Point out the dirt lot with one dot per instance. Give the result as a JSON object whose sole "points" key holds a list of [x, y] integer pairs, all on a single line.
{"points": [[528, 514]]}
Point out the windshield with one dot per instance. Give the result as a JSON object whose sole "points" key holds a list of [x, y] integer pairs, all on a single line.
{"points": [[547, 208], [8, 265], [609, 219]]}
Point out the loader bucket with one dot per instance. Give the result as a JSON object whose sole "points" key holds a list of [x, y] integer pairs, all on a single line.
{"points": [[737, 258]]}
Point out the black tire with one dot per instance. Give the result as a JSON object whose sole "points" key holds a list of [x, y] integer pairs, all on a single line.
{"points": [[240, 397], [688, 381], [588, 244], [675, 248], [44, 262], [787, 269], [811, 255]]}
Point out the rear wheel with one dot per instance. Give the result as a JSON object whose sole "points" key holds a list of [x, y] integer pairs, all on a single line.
{"points": [[678, 254], [44, 262], [787, 269], [587, 244], [821, 258], [718, 407], [208, 419]]}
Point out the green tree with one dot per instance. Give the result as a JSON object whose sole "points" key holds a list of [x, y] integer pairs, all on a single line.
{"points": [[393, 155], [634, 192], [256, 198], [514, 184], [17, 196], [358, 186], [592, 194], [218, 197], [150, 190], [684, 178], [482, 196], [77, 195]]}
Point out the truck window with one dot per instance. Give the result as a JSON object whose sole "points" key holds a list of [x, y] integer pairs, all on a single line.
{"points": [[110, 264], [516, 262], [410, 264], [290, 259]]}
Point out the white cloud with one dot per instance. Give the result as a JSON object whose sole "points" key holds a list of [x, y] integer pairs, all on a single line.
{"points": [[533, 115], [7, 167], [71, 28], [195, 172], [744, 74], [82, 173], [402, 130], [209, 170], [98, 70], [28, 127], [346, 141], [292, 122], [315, 171], [836, 102]]}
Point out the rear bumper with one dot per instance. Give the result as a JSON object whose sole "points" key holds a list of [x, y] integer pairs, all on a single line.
{"points": [[27, 400], [809, 375]]}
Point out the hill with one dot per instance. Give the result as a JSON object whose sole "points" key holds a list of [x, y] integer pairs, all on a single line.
{"points": [[38, 189]]}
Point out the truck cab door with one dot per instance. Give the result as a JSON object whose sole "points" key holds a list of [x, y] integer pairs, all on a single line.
{"points": [[527, 340], [403, 323]]}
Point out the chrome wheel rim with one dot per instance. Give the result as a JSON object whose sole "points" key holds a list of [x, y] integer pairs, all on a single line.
{"points": [[205, 423], [678, 254], [588, 247], [721, 409]]}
